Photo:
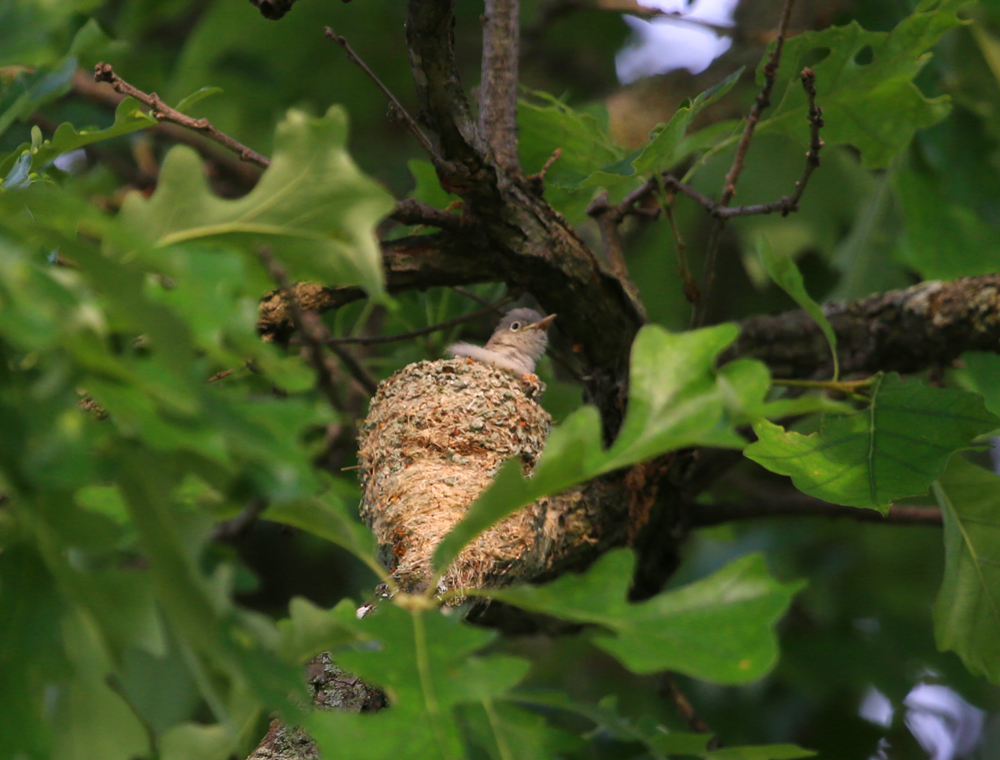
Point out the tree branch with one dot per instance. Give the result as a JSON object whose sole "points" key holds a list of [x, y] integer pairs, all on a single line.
{"points": [[403, 114], [314, 335], [103, 72], [796, 504], [608, 218], [927, 325], [498, 85], [732, 177], [411, 263], [412, 211], [246, 174], [430, 37], [375, 339]]}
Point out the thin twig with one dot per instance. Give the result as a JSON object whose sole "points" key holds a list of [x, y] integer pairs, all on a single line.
{"points": [[375, 339], [243, 172], [314, 333], [795, 504], [553, 11], [739, 161], [669, 689], [607, 218], [537, 180], [357, 370], [470, 295], [241, 524], [763, 101], [498, 81], [412, 211], [103, 72], [411, 124], [688, 284]]}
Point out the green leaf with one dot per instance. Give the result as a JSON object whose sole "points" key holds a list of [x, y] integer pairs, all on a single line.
{"points": [[423, 661], [129, 117], [660, 741], [198, 95], [873, 106], [37, 89], [761, 752], [892, 449], [192, 741], [719, 629], [328, 516], [786, 275], [942, 239], [980, 374], [676, 399], [967, 610], [93, 721], [313, 208], [311, 630], [664, 149], [505, 731], [428, 188], [550, 125]]}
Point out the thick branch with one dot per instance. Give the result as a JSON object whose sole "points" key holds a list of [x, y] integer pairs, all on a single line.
{"points": [[411, 263], [430, 37], [927, 325], [498, 86]]}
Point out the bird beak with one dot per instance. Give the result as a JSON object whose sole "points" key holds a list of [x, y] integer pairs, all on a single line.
{"points": [[542, 324]]}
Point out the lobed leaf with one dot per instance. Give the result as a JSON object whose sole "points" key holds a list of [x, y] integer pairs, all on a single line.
{"points": [[719, 629], [312, 207], [874, 106], [423, 660], [676, 399], [894, 448]]}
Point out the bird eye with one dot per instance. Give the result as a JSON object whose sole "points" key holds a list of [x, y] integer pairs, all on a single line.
{"points": [[515, 326]]}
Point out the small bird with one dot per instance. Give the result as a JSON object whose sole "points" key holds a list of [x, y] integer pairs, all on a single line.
{"points": [[516, 345]]}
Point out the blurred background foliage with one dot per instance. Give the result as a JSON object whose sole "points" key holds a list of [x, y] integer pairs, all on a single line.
{"points": [[863, 626]]}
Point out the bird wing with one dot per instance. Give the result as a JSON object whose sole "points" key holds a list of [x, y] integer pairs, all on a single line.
{"points": [[468, 350]]}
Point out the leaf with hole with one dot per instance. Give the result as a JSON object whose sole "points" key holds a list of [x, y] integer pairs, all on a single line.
{"points": [[874, 105]]}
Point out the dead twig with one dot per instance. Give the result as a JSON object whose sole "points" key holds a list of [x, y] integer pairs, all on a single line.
{"points": [[314, 335], [670, 690], [408, 120], [537, 180], [797, 504], [607, 218], [160, 111], [411, 211], [739, 161], [375, 339], [691, 292]]}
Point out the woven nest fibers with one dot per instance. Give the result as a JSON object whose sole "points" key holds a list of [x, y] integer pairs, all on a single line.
{"points": [[435, 436]]}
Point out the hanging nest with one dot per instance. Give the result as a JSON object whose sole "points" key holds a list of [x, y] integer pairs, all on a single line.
{"points": [[435, 437]]}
